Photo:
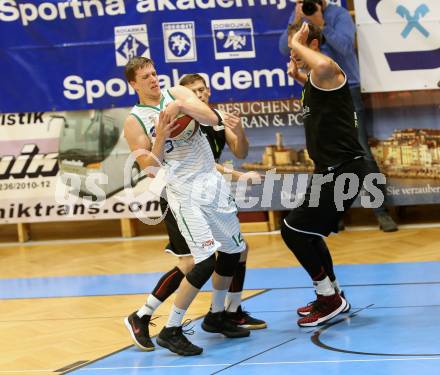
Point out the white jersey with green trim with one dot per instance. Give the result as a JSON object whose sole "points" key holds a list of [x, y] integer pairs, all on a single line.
{"points": [[189, 164]]}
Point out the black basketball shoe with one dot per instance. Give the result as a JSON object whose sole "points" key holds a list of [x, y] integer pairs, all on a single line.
{"points": [[139, 331], [242, 319], [173, 338], [219, 323]]}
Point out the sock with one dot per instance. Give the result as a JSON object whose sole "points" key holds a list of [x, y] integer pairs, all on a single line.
{"points": [[238, 278], [233, 301], [150, 306], [218, 300], [336, 286], [176, 316], [321, 275], [326, 258], [168, 284], [233, 298], [324, 287]]}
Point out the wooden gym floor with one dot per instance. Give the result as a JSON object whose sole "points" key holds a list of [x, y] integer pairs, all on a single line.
{"points": [[43, 329]]}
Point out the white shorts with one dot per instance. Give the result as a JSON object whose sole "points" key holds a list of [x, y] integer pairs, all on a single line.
{"points": [[208, 228]]}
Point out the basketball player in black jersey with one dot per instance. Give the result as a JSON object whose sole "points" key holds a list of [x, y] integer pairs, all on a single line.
{"points": [[170, 281], [332, 143]]}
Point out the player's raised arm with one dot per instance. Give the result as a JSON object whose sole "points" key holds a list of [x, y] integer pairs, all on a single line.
{"points": [[187, 102], [324, 71]]}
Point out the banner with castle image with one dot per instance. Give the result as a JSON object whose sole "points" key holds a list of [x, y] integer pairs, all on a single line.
{"points": [[404, 132]]}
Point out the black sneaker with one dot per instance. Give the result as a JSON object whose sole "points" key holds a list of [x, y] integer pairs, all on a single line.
{"points": [[138, 328], [242, 319], [173, 339], [219, 323]]}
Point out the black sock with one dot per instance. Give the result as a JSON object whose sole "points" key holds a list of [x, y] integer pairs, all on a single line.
{"points": [[238, 278], [168, 284], [326, 258]]}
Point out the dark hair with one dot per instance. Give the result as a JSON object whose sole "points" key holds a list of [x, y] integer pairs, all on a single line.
{"points": [[188, 79], [309, 6], [134, 64], [314, 32]]}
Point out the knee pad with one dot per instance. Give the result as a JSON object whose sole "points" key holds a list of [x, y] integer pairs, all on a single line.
{"points": [[201, 272], [226, 263]]}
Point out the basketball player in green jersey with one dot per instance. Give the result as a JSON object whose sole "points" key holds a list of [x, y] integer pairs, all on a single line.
{"points": [[207, 228]]}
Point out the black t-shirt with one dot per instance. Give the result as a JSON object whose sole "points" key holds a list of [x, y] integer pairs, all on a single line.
{"points": [[330, 125], [216, 139]]}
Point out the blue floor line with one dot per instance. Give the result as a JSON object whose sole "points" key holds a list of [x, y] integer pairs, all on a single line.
{"points": [[259, 278]]}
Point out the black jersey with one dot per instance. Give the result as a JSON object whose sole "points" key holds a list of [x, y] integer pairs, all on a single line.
{"points": [[330, 125], [216, 139]]}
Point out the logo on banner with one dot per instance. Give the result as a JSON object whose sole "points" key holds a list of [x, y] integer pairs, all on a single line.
{"points": [[131, 41], [30, 163], [233, 38], [408, 60], [413, 20], [179, 41]]}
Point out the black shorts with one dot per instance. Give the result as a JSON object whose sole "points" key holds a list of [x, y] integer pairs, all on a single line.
{"points": [[323, 219], [177, 245]]}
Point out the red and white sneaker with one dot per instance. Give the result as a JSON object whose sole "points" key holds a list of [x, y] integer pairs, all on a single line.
{"points": [[305, 310], [324, 309]]}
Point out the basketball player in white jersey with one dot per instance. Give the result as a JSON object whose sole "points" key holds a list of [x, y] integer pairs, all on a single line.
{"points": [[197, 195], [137, 323]]}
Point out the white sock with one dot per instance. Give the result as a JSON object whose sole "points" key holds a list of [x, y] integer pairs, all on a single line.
{"points": [[336, 286], [233, 300], [176, 317], [324, 287], [150, 306], [218, 300]]}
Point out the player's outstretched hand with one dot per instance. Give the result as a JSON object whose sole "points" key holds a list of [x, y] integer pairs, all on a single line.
{"points": [[172, 109], [301, 35], [231, 121], [165, 126]]}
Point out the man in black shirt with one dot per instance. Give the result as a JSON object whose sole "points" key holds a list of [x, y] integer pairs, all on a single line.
{"points": [[332, 143], [137, 323]]}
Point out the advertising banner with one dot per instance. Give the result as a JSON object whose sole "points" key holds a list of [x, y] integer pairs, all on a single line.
{"points": [[404, 138], [70, 55], [69, 166], [399, 44]]}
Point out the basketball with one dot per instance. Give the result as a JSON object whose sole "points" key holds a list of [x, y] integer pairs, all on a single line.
{"points": [[187, 126]]}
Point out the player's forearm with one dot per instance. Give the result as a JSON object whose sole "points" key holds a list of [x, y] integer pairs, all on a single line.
{"points": [[322, 65], [240, 145], [300, 78], [154, 158], [202, 113]]}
